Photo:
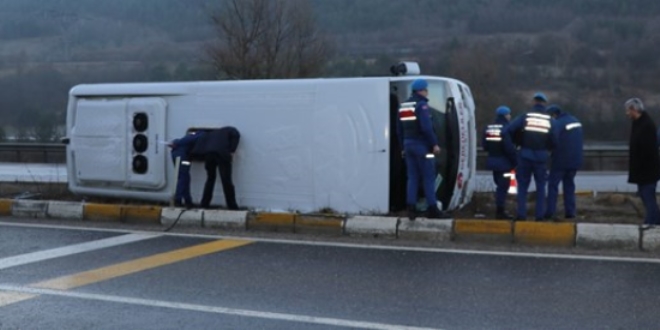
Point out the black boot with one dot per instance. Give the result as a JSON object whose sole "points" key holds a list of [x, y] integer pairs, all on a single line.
{"points": [[502, 215], [434, 213], [412, 212]]}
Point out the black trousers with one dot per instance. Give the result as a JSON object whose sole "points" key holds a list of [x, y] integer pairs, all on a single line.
{"points": [[223, 164]]}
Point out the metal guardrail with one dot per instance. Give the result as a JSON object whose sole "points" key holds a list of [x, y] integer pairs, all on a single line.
{"points": [[596, 158], [26, 152]]}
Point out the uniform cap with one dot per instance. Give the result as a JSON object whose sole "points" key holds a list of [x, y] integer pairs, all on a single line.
{"points": [[503, 110], [540, 97], [553, 109], [419, 85]]}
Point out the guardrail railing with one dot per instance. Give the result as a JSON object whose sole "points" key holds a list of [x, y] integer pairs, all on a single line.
{"points": [[25, 152], [596, 158]]}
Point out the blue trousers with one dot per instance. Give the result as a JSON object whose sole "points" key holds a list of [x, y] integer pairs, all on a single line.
{"points": [[524, 172], [420, 167], [647, 194], [502, 185], [567, 179], [182, 193]]}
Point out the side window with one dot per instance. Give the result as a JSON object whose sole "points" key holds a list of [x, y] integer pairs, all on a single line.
{"points": [[438, 96]]}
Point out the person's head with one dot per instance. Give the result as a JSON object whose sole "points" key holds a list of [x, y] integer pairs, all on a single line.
{"points": [[420, 86], [554, 110], [503, 111], [634, 108], [540, 98]]}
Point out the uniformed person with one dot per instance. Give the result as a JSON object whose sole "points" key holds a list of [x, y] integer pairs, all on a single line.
{"points": [[218, 147], [566, 160], [501, 157], [534, 134], [420, 146], [181, 149]]}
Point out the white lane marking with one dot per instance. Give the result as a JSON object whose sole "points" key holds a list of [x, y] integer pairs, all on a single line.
{"points": [[213, 309], [73, 249], [584, 257], [7, 298]]}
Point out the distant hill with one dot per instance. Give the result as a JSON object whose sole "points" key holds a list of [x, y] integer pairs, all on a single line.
{"points": [[588, 55]]}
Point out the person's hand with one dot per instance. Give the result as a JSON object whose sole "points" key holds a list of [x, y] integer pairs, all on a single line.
{"points": [[436, 149]]}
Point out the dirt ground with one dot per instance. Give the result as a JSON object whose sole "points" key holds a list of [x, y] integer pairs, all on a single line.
{"points": [[591, 207], [595, 208]]}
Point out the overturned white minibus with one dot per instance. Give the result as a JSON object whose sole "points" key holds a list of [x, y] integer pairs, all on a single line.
{"points": [[306, 144]]}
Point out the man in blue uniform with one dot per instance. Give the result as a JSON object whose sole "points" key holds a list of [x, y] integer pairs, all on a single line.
{"points": [[566, 160], [181, 149], [218, 147], [534, 134], [420, 146], [501, 157]]}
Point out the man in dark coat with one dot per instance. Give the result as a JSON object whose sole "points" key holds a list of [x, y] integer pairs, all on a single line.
{"points": [[218, 147], [644, 161]]}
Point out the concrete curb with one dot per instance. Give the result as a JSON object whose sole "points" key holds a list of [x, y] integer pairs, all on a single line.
{"points": [[191, 218], [101, 212], [280, 222], [544, 233], [425, 229], [232, 220], [319, 224], [372, 226], [483, 230], [651, 240], [589, 235], [5, 207], [140, 214], [29, 209], [65, 210]]}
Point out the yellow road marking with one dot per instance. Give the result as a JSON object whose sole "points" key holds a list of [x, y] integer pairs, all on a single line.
{"points": [[137, 265], [7, 298]]}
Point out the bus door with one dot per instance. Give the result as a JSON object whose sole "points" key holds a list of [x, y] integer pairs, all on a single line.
{"points": [[448, 169], [445, 126]]}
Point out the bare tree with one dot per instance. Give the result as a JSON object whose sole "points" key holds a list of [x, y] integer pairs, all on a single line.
{"points": [[263, 39]]}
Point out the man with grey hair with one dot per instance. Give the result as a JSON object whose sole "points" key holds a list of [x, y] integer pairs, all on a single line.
{"points": [[643, 160]]}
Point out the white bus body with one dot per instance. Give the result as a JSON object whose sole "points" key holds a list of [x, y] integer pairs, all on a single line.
{"points": [[306, 144]]}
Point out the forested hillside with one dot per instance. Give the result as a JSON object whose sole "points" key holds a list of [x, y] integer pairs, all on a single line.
{"points": [[587, 55]]}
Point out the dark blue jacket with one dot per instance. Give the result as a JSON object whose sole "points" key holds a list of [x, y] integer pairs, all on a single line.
{"points": [[536, 133], [643, 159], [500, 148], [221, 141], [416, 125], [182, 147], [568, 153]]}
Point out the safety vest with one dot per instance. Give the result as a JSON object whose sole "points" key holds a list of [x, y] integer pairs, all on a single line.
{"points": [[494, 140], [536, 131], [408, 119]]}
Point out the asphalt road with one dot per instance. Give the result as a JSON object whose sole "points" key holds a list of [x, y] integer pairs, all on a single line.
{"points": [[85, 278]]}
